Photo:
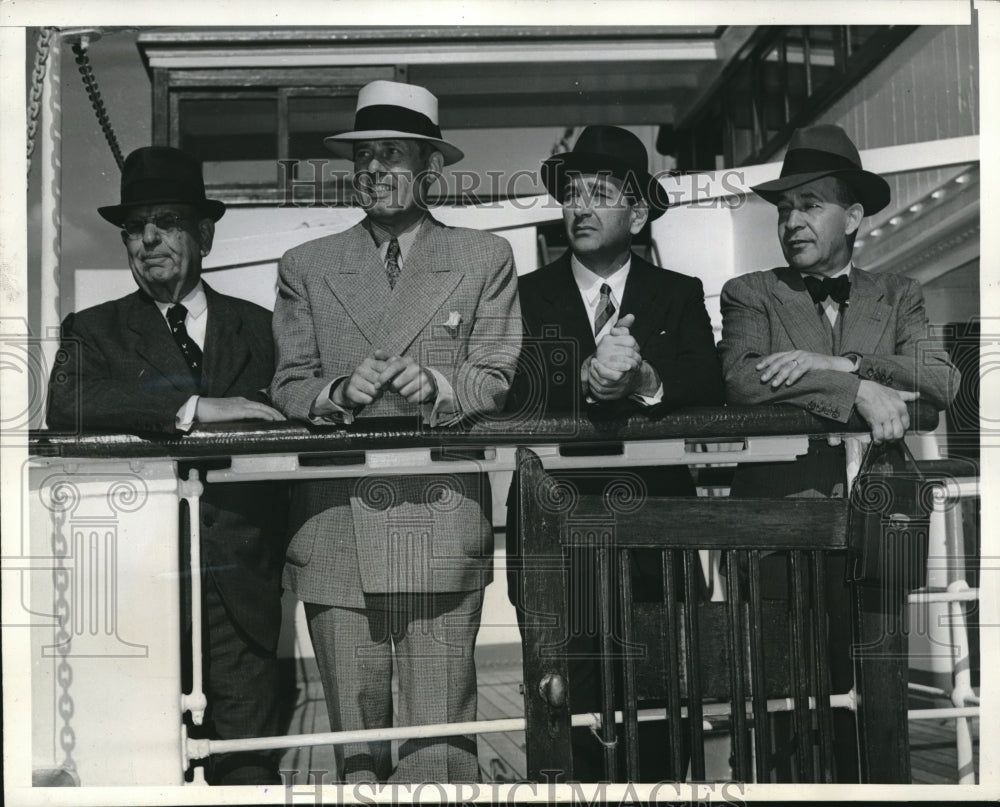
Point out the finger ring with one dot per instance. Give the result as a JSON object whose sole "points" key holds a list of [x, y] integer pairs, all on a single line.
{"points": [[795, 361]]}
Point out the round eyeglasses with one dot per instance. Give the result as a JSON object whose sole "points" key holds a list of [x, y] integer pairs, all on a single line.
{"points": [[164, 222]]}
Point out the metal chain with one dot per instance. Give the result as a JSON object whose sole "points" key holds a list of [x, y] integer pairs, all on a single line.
{"points": [[63, 639], [42, 46], [87, 73]]}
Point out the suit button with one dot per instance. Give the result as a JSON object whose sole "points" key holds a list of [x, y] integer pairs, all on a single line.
{"points": [[207, 520], [871, 372]]}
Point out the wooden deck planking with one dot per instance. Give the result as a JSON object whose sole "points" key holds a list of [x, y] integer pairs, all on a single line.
{"points": [[502, 755]]}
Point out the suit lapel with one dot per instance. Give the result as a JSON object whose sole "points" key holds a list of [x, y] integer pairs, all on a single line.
{"points": [[429, 276], [798, 313], [226, 349], [640, 298], [357, 279], [866, 315], [155, 344], [567, 309]]}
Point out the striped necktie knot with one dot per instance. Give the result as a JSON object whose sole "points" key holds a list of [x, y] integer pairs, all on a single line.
{"points": [[605, 309]]}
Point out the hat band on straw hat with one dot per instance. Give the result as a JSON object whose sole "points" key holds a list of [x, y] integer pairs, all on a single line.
{"points": [[395, 118], [807, 161]]}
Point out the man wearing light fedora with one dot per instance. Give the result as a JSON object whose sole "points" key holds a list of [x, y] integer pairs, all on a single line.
{"points": [[826, 336], [173, 354], [398, 317], [643, 345]]}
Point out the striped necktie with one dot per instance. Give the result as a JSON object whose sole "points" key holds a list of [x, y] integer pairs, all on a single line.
{"points": [[605, 309], [176, 315]]}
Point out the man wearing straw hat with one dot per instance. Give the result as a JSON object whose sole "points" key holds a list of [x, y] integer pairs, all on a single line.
{"points": [[824, 335], [400, 317], [173, 354]]}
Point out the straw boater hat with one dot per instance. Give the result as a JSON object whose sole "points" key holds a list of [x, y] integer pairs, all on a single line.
{"points": [[826, 151], [160, 175], [389, 109], [608, 150]]}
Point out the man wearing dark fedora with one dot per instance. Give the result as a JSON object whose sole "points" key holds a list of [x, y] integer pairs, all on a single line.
{"points": [[397, 317], [173, 354], [824, 335], [643, 344]]}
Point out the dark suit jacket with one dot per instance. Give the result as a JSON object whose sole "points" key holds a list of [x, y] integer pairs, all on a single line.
{"points": [[674, 334], [120, 370], [672, 328]]}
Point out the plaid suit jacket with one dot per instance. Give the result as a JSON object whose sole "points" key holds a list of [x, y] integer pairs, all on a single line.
{"points": [[885, 323], [383, 534]]}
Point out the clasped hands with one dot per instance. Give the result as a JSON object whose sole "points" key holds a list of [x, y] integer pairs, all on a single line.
{"points": [[615, 371], [883, 408], [380, 372]]}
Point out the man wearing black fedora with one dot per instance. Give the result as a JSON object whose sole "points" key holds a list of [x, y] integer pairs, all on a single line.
{"points": [[173, 354], [396, 317], [643, 344], [824, 335]]}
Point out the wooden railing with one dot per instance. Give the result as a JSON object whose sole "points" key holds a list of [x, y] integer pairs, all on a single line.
{"points": [[291, 451]]}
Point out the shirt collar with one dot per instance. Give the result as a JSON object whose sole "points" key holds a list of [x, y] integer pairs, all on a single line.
{"points": [[589, 283], [194, 301], [382, 236], [844, 271]]}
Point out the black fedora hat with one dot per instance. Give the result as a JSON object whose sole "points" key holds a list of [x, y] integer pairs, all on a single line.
{"points": [[159, 175], [610, 150], [826, 151]]}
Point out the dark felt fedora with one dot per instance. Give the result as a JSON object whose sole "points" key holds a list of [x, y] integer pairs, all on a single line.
{"points": [[825, 151], [159, 175], [610, 150]]}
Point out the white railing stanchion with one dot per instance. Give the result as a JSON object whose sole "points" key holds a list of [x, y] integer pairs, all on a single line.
{"points": [[195, 702]]}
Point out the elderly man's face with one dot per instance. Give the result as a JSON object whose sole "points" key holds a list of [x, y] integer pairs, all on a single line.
{"points": [[165, 248], [813, 227], [391, 176], [600, 220]]}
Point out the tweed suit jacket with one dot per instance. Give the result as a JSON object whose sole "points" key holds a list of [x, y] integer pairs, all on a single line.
{"points": [[121, 370], [884, 322], [383, 534]]}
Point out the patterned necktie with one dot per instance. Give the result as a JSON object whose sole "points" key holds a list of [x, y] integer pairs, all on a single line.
{"points": [[837, 289], [189, 348], [392, 269], [605, 309]]}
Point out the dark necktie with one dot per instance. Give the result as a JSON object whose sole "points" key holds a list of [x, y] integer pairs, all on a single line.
{"points": [[605, 309], [837, 289], [189, 348], [392, 269]]}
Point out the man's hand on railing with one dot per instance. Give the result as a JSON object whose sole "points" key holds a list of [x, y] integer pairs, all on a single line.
{"points": [[218, 410], [789, 366], [884, 409]]}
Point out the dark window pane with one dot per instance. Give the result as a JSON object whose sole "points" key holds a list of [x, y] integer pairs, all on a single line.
{"points": [[311, 118], [232, 129], [235, 138]]}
